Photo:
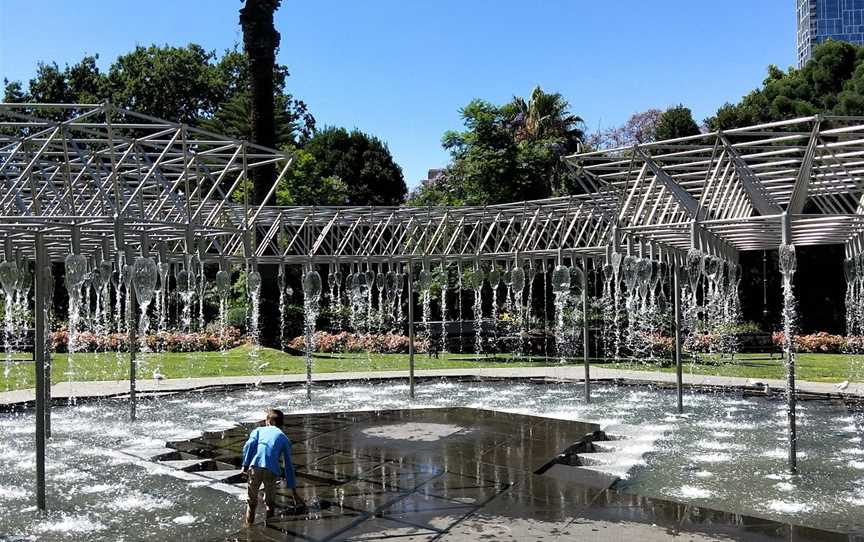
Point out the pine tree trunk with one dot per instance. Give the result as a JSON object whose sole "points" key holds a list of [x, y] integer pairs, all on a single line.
{"points": [[260, 41]]}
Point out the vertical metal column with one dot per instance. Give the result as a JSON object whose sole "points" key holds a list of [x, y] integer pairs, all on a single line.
{"points": [[133, 338], [39, 355], [47, 298], [585, 349], [676, 296], [410, 330]]}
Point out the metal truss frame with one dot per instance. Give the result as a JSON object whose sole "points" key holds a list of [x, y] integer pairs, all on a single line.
{"points": [[735, 185]]}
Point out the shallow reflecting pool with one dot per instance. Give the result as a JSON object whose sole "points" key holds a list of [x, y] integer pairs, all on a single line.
{"points": [[727, 452]]}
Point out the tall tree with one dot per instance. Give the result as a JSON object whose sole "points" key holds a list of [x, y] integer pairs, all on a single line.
{"points": [[506, 153], [831, 82], [676, 122], [360, 162], [184, 84], [260, 41]]}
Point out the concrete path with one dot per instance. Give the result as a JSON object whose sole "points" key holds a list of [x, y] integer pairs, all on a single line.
{"points": [[64, 390]]}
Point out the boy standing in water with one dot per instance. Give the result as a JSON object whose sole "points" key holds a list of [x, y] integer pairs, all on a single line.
{"points": [[261, 454]]}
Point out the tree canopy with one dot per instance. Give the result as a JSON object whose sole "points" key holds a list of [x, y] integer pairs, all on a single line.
{"points": [[646, 127], [832, 82], [506, 153], [676, 122], [338, 167], [182, 84]]}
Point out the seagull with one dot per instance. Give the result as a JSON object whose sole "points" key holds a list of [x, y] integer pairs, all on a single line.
{"points": [[263, 365], [157, 375], [842, 386]]}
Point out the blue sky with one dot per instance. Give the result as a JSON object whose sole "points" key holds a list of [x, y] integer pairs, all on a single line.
{"points": [[401, 69]]}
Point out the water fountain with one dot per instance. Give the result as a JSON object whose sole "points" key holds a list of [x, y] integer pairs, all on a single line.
{"points": [[788, 265], [494, 278], [145, 275], [223, 288], [9, 281], [311, 298], [425, 283], [561, 291], [253, 291], [76, 271]]}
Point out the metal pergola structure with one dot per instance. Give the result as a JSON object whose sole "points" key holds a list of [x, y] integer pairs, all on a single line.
{"points": [[111, 184]]}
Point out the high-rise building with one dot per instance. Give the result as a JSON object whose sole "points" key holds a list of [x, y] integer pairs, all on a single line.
{"points": [[820, 20]]}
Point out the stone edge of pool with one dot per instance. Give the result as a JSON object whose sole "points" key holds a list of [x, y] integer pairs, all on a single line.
{"points": [[84, 390]]}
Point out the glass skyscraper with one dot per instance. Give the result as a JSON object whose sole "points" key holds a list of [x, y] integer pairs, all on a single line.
{"points": [[820, 20]]}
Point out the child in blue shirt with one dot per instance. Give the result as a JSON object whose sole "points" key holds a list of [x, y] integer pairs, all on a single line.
{"points": [[261, 454]]}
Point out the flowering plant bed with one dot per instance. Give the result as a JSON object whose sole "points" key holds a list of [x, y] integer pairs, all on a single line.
{"points": [[202, 341], [344, 342]]}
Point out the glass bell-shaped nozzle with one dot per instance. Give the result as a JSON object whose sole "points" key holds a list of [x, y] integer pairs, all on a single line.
{"points": [[644, 270], [25, 278], [656, 273], [711, 266], [694, 267], [289, 291], [560, 279], [128, 275], [517, 278], [106, 269], [370, 278], [337, 278], [628, 269], [788, 261], [253, 283], [223, 283], [576, 276], [145, 275], [312, 284], [76, 272], [164, 269], [331, 280], [390, 281], [615, 259], [425, 280], [183, 280], [360, 282], [379, 280], [608, 272], [508, 278], [683, 277], [400, 282], [494, 276], [849, 270]]}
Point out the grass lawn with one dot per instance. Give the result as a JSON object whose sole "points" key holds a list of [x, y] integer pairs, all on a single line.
{"points": [[110, 366], [235, 362], [812, 367]]}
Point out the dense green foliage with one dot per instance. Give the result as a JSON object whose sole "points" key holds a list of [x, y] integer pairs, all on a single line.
{"points": [[183, 84], [506, 153], [676, 122], [188, 84], [356, 167], [831, 82]]}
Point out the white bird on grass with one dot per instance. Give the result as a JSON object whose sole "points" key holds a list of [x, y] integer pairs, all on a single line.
{"points": [[842, 386]]}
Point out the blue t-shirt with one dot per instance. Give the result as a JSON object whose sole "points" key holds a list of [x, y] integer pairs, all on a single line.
{"points": [[264, 448]]}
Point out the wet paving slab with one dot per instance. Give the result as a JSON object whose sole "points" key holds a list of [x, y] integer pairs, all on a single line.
{"points": [[454, 474]]}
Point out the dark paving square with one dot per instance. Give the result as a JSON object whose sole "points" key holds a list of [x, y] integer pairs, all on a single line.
{"points": [[454, 474]]}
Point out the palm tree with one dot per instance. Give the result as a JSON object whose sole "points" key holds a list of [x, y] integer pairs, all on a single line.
{"points": [[260, 41], [544, 116]]}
